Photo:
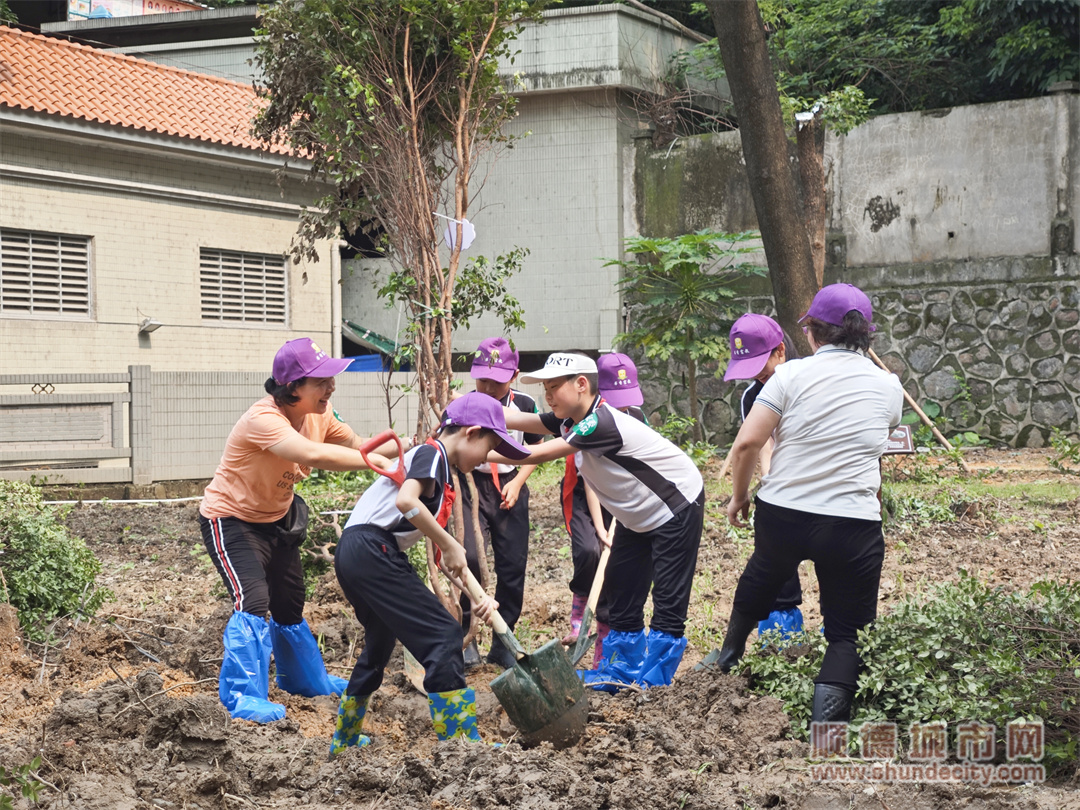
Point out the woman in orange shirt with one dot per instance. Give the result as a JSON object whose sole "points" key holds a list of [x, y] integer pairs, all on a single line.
{"points": [[253, 525]]}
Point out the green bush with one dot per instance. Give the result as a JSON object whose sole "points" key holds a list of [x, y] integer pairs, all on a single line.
{"points": [[964, 651], [326, 491], [47, 572]]}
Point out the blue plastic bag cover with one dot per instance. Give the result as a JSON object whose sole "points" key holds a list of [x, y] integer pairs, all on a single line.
{"points": [[300, 668], [245, 670], [786, 621], [624, 654], [662, 659]]}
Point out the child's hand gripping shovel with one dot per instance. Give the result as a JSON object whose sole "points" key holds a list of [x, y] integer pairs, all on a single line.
{"points": [[414, 670], [585, 639], [542, 694]]}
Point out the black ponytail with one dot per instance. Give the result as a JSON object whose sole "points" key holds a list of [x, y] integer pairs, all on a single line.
{"points": [[283, 394]]}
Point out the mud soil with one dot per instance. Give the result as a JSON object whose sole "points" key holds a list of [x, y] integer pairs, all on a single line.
{"points": [[124, 712]]}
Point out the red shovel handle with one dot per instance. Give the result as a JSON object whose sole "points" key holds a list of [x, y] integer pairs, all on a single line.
{"points": [[397, 475]]}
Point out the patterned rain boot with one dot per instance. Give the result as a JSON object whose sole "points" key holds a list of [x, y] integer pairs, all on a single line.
{"points": [[350, 720], [453, 714], [602, 631], [577, 613]]}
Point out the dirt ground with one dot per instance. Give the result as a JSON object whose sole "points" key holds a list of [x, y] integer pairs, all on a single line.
{"points": [[124, 711]]}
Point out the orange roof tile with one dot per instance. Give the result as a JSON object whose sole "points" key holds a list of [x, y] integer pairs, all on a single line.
{"points": [[59, 77]]}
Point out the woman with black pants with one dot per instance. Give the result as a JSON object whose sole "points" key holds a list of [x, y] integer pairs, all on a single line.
{"points": [[829, 416]]}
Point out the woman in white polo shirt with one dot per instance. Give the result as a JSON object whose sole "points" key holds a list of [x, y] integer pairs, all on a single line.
{"points": [[829, 416]]}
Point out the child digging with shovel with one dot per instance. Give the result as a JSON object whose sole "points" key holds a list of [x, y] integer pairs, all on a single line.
{"points": [[654, 491], [390, 600]]}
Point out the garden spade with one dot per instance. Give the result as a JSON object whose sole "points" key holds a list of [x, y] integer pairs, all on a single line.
{"points": [[542, 694], [585, 640]]}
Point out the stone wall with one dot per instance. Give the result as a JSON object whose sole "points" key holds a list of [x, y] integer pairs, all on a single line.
{"points": [[995, 344], [975, 295]]}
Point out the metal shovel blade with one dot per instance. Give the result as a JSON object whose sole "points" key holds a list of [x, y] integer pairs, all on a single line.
{"points": [[585, 639], [544, 697]]}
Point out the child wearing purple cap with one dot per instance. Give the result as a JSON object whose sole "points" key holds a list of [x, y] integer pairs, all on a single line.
{"points": [[586, 520], [503, 498], [830, 416], [390, 601], [758, 346], [253, 525]]}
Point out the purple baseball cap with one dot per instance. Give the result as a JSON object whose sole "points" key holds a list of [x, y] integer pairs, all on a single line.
{"points": [[303, 358], [495, 360], [617, 380], [480, 410], [752, 339], [832, 303]]}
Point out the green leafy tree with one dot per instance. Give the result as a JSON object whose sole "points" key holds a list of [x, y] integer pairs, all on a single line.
{"points": [[7, 16], [394, 103], [920, 54], [678, 291]]}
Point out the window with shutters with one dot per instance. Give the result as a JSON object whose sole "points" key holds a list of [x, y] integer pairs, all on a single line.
{"points": [[242, 287], [44, 274]]}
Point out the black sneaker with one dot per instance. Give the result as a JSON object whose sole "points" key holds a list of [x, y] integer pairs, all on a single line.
{"points": [[471, 654]]}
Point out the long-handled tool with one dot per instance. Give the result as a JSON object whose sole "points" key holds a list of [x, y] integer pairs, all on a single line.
{"points": [[542, 694], [922, 415], [584, 639]]}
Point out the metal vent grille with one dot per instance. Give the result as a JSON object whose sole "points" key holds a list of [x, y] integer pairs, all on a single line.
{"points": [[242, 287], [44, 274]]}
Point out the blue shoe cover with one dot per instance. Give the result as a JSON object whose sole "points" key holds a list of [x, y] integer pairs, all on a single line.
{"points": [[300, 668], [788, 622], [661, 659], [245, 670], [621, 663]]}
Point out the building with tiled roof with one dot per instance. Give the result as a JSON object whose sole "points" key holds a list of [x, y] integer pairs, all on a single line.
{"points": [[58, 77], [133, 190]]}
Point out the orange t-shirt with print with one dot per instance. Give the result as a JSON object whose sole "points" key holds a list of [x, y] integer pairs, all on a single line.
{"points": [[253, 484]]}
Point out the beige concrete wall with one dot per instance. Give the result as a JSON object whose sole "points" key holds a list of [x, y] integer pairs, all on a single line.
{"points": [[190, 427], [147, 215], [558, 192]]}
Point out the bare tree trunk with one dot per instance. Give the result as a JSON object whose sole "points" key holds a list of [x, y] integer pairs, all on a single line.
{"points": [[741, 36], [810, 145]]}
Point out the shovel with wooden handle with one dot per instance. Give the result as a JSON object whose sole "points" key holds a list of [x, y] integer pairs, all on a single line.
{"points": [[542, 693], [586, 639]]}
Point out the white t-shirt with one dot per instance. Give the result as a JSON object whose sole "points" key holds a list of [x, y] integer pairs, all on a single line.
{"points": [[639, 476], [378, 505], [836, 411]]}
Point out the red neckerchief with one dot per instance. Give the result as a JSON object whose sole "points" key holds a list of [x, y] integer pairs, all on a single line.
{"points": [[449, 495], [570, 478]]}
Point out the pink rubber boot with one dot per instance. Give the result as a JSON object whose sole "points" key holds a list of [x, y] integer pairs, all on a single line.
{"points": [[601, 633], [577, 613]]}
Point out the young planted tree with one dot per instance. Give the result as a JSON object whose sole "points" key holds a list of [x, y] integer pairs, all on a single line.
{"points": [[677, 290], [395, 103]]}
